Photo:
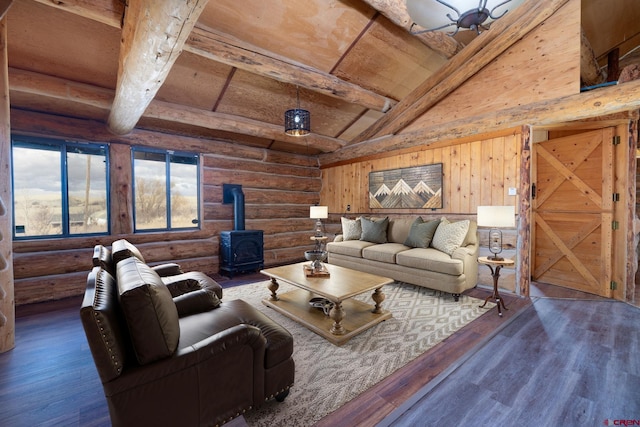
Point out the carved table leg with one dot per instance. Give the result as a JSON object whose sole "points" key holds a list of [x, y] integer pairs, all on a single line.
{"points": [[378, 297], [273, 287], [337, 314], [496, 295]]}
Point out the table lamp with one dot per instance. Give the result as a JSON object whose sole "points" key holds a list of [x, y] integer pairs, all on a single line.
{"points": [[496, 217], [318, 213]]}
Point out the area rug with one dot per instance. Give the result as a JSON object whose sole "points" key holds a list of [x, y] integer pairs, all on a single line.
{"points": [[328, 376]]}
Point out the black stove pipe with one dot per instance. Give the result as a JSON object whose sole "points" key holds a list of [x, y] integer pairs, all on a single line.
{"points": [[232, 193]]}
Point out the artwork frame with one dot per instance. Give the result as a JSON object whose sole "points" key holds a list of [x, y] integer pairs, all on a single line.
{"points": [[416, 187]]}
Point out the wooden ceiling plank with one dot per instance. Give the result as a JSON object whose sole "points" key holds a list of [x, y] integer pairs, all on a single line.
{"points": [[106, 11], [396, 12], [57, 88], [502, 35], [220, 48], [153, 35], [596, 103]]}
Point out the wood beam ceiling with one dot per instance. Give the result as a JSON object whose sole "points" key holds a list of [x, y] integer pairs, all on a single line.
{"points": [[221, 48], [459, 68], [597, 103], [502, 35], [84, 94], [396, 12], [153, 35]]}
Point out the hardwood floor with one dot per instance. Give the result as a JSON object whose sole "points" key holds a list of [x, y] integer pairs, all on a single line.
{"points": [[508, 367], [562, 362]]}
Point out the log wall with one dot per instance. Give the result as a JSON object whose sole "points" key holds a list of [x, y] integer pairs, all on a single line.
{"points": [[278, 188], [476, 171]]}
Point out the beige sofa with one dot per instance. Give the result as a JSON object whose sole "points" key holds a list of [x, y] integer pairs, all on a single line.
{"points": [[423, 266]]}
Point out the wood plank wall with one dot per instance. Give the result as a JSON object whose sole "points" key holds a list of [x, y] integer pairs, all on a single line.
{"points": [[476, 171], [278, 188]]}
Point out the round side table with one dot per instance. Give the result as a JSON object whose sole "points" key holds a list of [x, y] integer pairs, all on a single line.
{"points": [[495, 266]]}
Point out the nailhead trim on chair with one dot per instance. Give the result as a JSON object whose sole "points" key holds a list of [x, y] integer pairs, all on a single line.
{"points": [[277, 393]]}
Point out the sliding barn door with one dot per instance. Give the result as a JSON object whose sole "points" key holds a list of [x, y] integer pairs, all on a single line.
{"points": [[573, 211]]}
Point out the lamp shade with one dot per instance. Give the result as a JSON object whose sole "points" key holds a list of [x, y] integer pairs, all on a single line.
{"points": [[297, 122], [432, 14], [496, 216], [319, 212]]}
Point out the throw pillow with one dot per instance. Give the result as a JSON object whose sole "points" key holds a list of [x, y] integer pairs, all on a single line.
{"points": [[421, 233], [351, 228], [374, 231], [196, 302], [450, 235]]}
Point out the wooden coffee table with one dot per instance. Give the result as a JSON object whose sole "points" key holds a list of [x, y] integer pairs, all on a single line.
{"points": [[347, 318]]}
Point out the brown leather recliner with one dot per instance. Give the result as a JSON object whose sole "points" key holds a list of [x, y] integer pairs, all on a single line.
{"points": [[189, 359]]}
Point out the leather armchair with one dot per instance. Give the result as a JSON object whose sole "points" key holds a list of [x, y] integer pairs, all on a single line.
{"points": [[187, 360]]}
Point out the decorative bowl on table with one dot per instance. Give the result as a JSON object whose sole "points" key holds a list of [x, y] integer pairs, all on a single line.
{"points": [[316, 258]]}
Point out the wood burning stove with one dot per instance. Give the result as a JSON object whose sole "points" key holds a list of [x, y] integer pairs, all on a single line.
{"points": [[240, 250]]}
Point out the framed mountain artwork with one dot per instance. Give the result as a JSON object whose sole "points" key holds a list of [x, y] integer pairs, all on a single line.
{"points": [[418, 187]]}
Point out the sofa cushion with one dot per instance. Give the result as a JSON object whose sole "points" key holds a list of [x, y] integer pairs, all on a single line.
{"points": [[351, 228], [149, 310], [196, 302], [450, 235], [430, 259], [398, 229], [350, 247], [383, 252], [472, 235], [374, 231], [421, 233]]}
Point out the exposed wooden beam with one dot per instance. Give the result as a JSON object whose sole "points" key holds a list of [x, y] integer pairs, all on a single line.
{"points": [[240, 125], [396, 12], [590, 71], [153, 35], [596, 103], [56, 88], [502, 35], [221, 48]]}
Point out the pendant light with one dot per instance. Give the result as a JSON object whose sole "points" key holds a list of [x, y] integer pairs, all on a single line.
{"points": [[297, 122]]}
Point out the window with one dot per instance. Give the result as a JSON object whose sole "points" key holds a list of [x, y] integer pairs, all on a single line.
{"points": [[60, 188], [166, 190]]}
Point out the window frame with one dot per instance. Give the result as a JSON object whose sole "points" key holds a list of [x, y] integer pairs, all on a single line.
{"points": [[168, 155], [63, 148]]}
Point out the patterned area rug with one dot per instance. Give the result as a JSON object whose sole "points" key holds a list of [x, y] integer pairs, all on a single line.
{"points": [[328, 376]]}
